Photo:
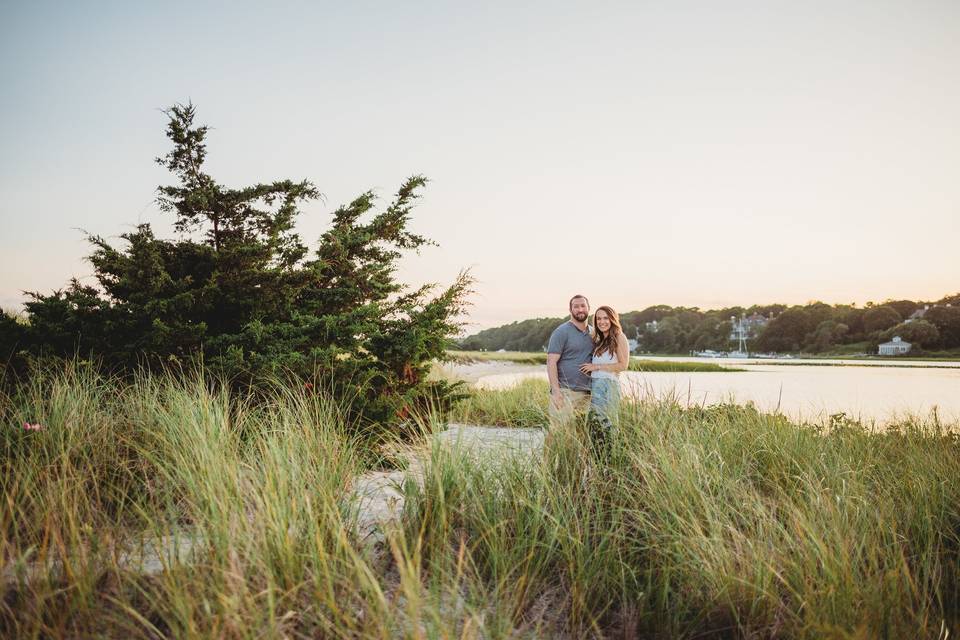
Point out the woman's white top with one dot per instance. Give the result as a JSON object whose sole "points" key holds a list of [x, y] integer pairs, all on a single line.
{"points": [[605, 358]]}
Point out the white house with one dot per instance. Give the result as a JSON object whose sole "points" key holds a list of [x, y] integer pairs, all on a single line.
{"points": [[895, 347]]}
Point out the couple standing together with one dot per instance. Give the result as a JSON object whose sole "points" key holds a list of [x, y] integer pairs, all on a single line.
{"points": [[584, 363]]}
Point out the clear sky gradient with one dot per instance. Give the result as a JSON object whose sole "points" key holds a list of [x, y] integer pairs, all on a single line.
{"points": [[687, 153]]}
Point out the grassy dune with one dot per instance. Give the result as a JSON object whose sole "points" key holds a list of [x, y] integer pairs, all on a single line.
{"points": [[521, 405], [636, 364], [719, 522], [519, 357]]}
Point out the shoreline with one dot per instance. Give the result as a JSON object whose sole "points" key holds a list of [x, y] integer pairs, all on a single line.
{"points": [[870, 394], [464, 358]]}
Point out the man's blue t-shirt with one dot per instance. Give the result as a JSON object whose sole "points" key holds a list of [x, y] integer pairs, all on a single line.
{"points": [[576, 349]]}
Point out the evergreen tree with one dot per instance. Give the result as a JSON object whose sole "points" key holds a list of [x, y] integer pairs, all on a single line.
{"points": [[11, 340], [241, 289]]}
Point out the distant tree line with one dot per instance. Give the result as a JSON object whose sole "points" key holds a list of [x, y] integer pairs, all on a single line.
{"points": [[815, 327]]}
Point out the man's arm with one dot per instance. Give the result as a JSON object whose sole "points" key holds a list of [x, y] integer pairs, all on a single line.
{"points": [[555, 347], [552, 375], [555, 395]]}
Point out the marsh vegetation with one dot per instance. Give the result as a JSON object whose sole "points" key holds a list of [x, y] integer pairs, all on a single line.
{"points": [[539, 357], [717, 522]]}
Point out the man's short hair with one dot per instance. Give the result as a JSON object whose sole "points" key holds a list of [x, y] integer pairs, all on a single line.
{"points": [[579, 295]]}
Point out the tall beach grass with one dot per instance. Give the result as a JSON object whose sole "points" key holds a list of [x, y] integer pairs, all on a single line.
{"points": [[717, 521], [170, 507], [173, 508]]}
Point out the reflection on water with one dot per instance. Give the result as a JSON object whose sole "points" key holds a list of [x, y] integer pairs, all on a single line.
{"points": [[870, 393]]}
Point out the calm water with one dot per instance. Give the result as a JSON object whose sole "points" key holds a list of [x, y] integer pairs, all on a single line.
{"points": [[861, 390]]}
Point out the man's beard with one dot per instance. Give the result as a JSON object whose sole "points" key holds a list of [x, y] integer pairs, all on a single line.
{"points": [[580, 317]]}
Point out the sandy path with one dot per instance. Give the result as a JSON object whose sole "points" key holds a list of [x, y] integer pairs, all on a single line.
{"points": [[380, 492]]}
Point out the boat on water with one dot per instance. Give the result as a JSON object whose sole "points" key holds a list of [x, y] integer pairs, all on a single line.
{"points": [[740, 330], [709, 353]]}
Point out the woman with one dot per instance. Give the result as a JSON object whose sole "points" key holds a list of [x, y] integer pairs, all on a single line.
{"points": [[611, 355]]}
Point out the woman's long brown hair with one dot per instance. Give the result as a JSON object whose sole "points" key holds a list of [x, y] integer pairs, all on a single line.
{"points": [[611, 341]]}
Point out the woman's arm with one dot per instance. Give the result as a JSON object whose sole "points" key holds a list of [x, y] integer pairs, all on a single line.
{"points": [[623, 353]]}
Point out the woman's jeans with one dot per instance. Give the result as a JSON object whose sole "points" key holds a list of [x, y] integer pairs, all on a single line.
{"points": [[604, 404]]}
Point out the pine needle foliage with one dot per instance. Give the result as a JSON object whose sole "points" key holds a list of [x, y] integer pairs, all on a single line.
{"points": [[240, 289]]}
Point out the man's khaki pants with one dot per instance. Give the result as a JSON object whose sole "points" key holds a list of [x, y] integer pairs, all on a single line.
{"points": [[573, 403]]}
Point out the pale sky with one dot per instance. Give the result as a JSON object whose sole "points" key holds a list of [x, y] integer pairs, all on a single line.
{"points": [[685, 153]]}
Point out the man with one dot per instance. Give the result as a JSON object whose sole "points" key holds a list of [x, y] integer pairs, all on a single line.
{"points": [[570, 347]]}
